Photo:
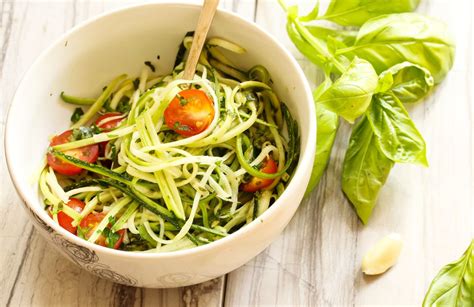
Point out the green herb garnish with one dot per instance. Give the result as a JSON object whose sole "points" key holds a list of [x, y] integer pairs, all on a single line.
{"points": [[81, 133], [136, 83], [76, 115], [182, 101], [124, 105], [149, 64], [181, 127], [111, 238]]}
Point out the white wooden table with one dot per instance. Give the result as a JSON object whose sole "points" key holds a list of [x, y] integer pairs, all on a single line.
{"points": [[316, 261]]}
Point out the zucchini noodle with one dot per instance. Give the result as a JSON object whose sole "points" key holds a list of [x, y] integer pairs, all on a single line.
{"points": [[154, 189]]}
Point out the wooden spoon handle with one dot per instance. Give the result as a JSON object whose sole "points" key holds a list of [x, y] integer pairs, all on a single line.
{"points": [[204, 23]]}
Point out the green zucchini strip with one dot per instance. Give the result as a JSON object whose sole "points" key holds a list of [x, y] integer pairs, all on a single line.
{"points": [[77, 100]]}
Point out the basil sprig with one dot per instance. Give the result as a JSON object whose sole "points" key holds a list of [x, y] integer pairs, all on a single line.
{"points": [[392, 59]]}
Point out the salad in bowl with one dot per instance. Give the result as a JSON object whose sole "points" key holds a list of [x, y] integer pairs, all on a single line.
{"points": [[156, 163], [144, 178]]}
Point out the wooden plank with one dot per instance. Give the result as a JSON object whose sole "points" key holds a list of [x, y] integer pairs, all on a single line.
{"points": [[15, 231], [316, 261], [32, 272]]}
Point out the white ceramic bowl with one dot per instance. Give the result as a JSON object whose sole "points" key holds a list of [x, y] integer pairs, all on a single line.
{"points": [[91, 55]]}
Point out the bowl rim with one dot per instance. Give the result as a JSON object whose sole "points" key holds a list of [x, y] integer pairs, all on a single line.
{"points": [[306, 154]]}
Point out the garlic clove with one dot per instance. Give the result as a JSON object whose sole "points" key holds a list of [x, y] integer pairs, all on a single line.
{"points": [[383, 255]]}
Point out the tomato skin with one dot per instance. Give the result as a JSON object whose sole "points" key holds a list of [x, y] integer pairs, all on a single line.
{"points": [[91, 221], [65, 221], [256, 184], [107, 126], [190, 112], [87, 154]]}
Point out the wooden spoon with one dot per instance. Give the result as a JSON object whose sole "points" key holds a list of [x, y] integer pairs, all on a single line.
{"points": [[204, 23]]}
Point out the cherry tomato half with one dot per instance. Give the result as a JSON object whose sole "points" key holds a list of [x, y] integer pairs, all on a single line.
{"points": [[90, 222], [105, 123], [256, 183], [65, 221], [190, 112], [87, 154]]}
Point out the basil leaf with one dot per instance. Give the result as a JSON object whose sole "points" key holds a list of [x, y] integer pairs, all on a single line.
{"points": [[304, 47], [365, 170], [397, 136], [313, 14], [318, 44], [356, 12], [327, 40], [327, 124], [345, 37], [350, 95], [391, 39], [454, 284], [323, 87], [333, 39], [408, 81]]}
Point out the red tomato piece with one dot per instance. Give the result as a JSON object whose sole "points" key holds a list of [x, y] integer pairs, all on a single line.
{"points": [[65, 221], [256, 183], [109, 121], [190, 112], [87, 154], [90, 222], [106, 123]]}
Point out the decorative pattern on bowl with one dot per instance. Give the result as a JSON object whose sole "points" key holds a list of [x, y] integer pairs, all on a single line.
{"points": [[80, 255]]}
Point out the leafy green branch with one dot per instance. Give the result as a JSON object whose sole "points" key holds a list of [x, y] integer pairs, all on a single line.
{"points": [[390, 60]]}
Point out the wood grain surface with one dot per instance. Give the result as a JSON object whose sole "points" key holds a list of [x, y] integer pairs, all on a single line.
{"points": [[316, 261]]}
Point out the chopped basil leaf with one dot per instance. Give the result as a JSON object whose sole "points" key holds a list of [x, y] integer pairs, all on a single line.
{"points": [[85, 132], [152, 67], [107, 107], [94, 129], [182, 100], [123, 105], [179, 126], [76, 115], [136, 82], [112, 219], [111, 238]]}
